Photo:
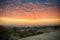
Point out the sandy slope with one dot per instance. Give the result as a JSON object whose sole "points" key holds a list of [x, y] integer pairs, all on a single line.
{"points": [[46, 36]]}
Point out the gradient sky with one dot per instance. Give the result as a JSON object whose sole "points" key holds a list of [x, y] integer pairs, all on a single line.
{"points": [[29, 11]]}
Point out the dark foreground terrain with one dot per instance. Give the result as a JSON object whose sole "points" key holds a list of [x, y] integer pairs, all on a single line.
{"points": [[46, 36], [50, 32]]}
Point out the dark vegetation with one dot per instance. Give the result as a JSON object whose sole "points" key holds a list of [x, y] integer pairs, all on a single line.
{"points": [[20, 32]]}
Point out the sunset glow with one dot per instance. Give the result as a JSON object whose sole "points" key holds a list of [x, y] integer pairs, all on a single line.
{"points": [[29, 12], [27, 21]]}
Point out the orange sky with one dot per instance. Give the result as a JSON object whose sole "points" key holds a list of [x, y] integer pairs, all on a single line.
{"points": [[16, 15], [34, 14]]}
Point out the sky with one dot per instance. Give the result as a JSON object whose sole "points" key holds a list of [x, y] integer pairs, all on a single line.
{"points": [[29, 12]]}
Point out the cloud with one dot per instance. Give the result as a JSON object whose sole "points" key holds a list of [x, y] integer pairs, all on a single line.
{"points": [[31, 10], [16, 2]]}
